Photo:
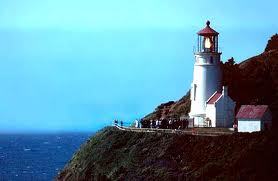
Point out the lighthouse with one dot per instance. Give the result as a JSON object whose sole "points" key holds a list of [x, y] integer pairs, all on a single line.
{"points": [[207, 75]]}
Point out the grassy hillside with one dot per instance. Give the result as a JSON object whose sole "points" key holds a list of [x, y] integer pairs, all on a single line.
{"points": [[119, 155], [253, 81]]}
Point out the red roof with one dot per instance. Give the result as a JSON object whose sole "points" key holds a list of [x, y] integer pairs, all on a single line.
{"points": [[214, 98], [208, 31], [251, 111]]}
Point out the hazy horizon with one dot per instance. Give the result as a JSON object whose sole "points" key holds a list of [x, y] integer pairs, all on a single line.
{"points": [[76, 66]]}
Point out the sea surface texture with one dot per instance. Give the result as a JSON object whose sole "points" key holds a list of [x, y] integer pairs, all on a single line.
{"points": [[36, 157]]}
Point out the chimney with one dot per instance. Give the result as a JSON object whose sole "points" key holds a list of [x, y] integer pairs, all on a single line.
{"points": [[225, 91]]}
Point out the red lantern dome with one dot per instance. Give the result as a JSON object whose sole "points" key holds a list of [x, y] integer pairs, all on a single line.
{"points": [[208, 31]]}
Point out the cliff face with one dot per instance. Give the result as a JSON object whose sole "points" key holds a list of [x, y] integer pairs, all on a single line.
{"points": [[253, 81], [119, 155]]}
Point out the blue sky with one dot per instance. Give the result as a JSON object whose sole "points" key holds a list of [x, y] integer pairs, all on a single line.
{"points": [[77, 65]]}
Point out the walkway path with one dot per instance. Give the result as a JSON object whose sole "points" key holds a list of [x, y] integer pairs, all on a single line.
{"points": [[188, 131]]}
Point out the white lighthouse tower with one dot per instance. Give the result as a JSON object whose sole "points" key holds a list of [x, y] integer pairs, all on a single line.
{"points": [[207, 76]]}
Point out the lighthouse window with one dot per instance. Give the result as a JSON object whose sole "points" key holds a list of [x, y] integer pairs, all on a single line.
{"points": [[195, 87], [211, 59]]}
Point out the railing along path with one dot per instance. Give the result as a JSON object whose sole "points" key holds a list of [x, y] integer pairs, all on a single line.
{"points": [[188, 131]]}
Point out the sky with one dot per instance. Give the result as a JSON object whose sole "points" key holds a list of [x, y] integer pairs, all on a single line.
{"points": [[77, 65]]}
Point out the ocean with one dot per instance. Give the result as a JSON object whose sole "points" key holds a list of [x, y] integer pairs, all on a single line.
{"points": [[38, 157]]}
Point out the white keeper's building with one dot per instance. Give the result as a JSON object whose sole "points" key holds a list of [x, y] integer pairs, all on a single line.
{"points": [[210, 103]]}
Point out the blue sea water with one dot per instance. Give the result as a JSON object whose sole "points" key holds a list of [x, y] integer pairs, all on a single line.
{"points": [[28, 157]]}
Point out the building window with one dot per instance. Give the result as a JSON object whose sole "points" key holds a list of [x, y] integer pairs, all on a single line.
{"points": [[211, 60], [195, 87]]}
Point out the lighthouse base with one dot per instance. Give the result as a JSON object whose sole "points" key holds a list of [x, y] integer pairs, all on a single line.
{"points": [[199, 120]]}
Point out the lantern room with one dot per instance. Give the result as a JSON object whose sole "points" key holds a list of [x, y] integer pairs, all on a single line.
{"points": [[208, 40]]}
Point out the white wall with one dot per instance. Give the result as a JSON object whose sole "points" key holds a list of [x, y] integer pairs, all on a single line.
{"points": [[249, 125], [207, 78], [211, 114], [199, 121]]}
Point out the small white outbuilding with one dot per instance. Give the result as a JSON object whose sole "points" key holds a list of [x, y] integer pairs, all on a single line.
{"points": [[220, 109], [253, 118]]}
